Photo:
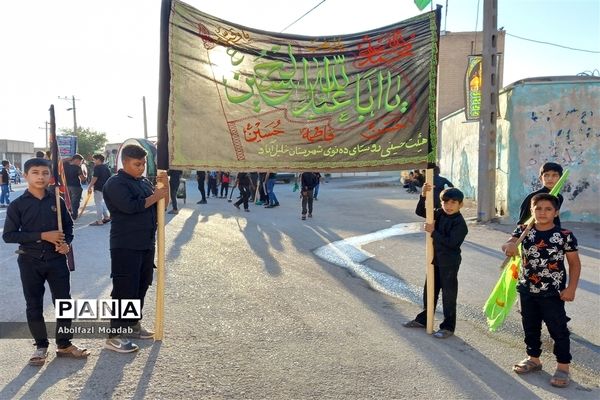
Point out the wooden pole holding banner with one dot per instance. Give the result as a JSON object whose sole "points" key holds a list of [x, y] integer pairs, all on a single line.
{"points": [[160, 264], [429, 252], [162, 161]]}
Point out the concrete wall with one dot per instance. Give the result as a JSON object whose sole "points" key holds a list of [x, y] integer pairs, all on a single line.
{"points": [[458, 158], [555, 121]]}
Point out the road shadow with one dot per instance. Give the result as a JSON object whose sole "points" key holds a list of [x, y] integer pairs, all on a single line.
{"points": [[12, 388], [55, 371], [263, 242], [107, 374]]}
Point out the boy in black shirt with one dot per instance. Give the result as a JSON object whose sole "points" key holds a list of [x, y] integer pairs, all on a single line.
{"points": [[74, 176], [31, 221], [131, 200], [308, 182], [550, 173], [99, 179], [543, 287], [448, 233], [244, 184]]}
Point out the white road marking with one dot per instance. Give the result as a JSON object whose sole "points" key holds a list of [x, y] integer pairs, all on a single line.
{"points": [[348, 254]]}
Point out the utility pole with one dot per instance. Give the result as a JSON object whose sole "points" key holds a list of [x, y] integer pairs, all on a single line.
{"points": [[486, 170], [145, 123], [74, 112], [46, 143]]}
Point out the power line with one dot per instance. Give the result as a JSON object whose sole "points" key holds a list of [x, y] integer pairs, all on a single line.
{"points": [[303, 15], [553, 44]]}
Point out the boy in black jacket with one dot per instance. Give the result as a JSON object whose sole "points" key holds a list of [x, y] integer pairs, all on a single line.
{"points": [[131, 200], [31, 221], [448, 233]]}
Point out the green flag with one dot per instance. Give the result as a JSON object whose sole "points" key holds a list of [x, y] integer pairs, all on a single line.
{"points": [[421, 4], [502, 298]]}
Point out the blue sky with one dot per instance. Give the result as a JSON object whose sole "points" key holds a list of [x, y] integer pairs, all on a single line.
{"points": [[106, 52]]}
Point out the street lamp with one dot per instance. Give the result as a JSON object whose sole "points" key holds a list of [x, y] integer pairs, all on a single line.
{"points": [[74, 113], [46, 128]]}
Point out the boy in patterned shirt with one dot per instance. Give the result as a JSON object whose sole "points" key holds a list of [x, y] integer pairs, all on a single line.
{"points": [[543, 287]]}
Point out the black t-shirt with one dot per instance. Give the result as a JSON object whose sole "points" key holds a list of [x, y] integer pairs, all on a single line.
{"points": [[243, 179], [72, 173], [101, 173], [5, 176], [543, 272]]}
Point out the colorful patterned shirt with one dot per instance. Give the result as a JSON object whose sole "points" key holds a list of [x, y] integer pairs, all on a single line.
{"points": [[543, 270]]}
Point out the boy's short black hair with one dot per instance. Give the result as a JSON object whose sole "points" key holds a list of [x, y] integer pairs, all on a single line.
{"points": [[133, 151], [5, 163], [77, 156], [452, 194], [98, 157], [36, 162], [39, 154], [551, 166], [545, 196]]}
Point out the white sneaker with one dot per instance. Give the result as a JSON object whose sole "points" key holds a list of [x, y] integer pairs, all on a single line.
{"points": [[120, 345]]}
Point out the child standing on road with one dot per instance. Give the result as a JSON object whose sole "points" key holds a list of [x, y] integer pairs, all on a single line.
{"points": [[31, 221], [131, 200], [543, 287], [550, 173], [448, 233]]}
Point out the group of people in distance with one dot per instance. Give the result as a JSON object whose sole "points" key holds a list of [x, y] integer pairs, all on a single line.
{"points": [[131, 199], [542, 282]]}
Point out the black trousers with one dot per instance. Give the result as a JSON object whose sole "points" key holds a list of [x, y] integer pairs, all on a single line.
{"points": [[307, 200], [173, 186], [245, 195], [201, 189], [224, 188], [446, 280], [75, 196], [131, 273], [264, 197], [551, 310], [34, 273]]}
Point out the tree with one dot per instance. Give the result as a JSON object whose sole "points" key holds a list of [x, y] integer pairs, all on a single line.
{"points": [[89, 142]]}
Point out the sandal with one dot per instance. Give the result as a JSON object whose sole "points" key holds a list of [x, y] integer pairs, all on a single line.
{"points": [[39, 357], [526, 366], [560, 379], [73, 352]]}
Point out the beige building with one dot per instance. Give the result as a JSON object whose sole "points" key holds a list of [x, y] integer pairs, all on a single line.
{"points": [[16, 151], [454, 49]]}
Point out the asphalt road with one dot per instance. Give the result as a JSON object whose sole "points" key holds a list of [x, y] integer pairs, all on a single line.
{"points": [[264, 305]]}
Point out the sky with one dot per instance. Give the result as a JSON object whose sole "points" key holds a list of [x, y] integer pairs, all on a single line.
{"points": [[105, 53]]}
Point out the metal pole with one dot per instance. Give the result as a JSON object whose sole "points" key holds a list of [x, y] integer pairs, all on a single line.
{"points": [[486, 170], [74, 118], [145, 122]]}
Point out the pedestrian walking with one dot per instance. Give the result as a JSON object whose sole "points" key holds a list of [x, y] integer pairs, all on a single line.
{"points": [[100, 176], [175, 179], [244, 184], [201, 177], [308, 182]]}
